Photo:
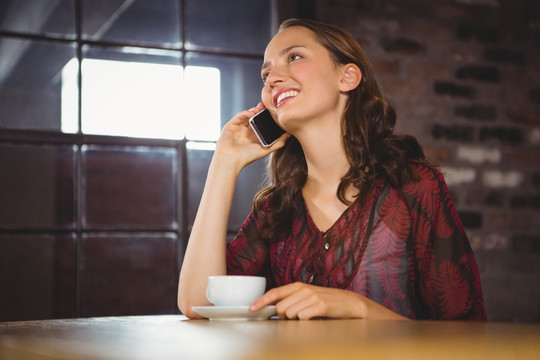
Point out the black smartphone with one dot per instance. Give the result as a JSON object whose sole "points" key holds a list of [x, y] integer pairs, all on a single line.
{"points": [[266, 129]]}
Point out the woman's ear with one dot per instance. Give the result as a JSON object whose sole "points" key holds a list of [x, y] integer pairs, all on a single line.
{"points": [[351, 77]]}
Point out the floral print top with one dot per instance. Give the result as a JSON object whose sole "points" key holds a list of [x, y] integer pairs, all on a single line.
{"points": [[403, 248]]}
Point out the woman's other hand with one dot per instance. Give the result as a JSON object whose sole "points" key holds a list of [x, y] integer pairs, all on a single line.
{"points": [[303, 301]]}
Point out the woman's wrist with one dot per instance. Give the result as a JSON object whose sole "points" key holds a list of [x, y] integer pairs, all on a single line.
{"points": [[361, 307], [369, 309], [225, 165]]}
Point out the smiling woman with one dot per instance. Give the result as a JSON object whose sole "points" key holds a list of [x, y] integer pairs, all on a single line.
{"points": [[355, 222]]}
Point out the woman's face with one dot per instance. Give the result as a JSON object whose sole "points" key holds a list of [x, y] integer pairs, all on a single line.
{"points": [[300, 79]]}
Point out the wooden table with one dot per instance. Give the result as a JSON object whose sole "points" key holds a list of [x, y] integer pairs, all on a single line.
{"points": [[175, 337]]}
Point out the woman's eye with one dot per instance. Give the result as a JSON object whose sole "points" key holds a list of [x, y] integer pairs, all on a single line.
{"points": [[293, 57], [264, 76]]}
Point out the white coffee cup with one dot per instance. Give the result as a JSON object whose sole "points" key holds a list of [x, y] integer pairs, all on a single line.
{"points": [[231, 290]]}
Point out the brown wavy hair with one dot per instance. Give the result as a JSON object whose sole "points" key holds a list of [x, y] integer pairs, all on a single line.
{"points": [[367, 129]]}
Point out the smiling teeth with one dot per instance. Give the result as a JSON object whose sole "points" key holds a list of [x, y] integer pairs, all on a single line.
{"points": [[286, 95]]}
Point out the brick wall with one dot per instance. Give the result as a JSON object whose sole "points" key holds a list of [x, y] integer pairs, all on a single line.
{"points": [[464, 76]]}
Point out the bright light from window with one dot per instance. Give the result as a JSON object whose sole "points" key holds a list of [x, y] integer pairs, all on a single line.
{"points": [[202, 94], [143, 100], [70, 102]]}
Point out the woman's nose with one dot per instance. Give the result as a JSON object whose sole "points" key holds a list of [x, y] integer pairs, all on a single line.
{"points": [[275, 76]]}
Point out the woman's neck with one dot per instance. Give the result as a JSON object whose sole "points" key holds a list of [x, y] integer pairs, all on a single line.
{"points": [[325, 156], [326, 163], [323, 148]]}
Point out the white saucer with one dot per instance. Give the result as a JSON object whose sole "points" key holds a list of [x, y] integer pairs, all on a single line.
{"points": [[234, 313]]}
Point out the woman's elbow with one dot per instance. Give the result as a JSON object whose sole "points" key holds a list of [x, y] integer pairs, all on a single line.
{"points": [[187, 309], [190, 314]]}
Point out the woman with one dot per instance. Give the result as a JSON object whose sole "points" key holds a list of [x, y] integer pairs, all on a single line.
{"points": [[355, 223]]}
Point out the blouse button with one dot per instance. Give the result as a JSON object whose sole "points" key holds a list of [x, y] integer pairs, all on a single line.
{"points": [[327, 246], [311, 278]]}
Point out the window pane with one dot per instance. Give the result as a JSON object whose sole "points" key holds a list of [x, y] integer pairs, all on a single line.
{"points": [[240, 82], [202, 102], [135, 21], [237, 25], [30, 83], [240, 89], [45, 17], [152, 96], [136, 92]]}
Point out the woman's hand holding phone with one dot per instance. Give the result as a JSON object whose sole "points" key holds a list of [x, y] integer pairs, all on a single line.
{"points": [[266, 129], [239, 142]]}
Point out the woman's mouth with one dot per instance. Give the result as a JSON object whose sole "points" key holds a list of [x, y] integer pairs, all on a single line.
{"points": [[283, 97]]}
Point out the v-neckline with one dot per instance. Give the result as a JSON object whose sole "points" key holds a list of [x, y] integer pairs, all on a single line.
{"points": [[335, 224]]}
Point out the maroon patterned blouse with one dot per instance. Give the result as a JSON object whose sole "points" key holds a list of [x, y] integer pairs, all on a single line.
{"points": [[405, 249]]}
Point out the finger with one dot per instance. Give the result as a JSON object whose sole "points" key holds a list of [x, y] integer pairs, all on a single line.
{"points": [[275, 146], [243, 116], [317, 309], [272, 296], [299, 305], [333, 303], [288, 306], [256, 109], [269, 298], [280, 142], [260, 106]]}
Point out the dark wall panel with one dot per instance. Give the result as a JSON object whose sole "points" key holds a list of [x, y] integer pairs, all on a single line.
{"points": [[37, 277], [129, 188], [37, 186], [124, 274]]}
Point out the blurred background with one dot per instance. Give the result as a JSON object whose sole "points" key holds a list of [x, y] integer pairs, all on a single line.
{"points": [[109, 111]]}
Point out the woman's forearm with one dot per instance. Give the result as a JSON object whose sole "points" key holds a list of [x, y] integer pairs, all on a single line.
{"points": [[374, 310], [205, 253]]}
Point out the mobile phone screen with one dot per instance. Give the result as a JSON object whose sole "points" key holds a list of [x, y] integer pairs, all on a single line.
{"points": [[266, 129]]}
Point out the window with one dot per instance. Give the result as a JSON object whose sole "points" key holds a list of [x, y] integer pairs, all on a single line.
{"points": [[155, 69], [143, 100], [136, 70]]}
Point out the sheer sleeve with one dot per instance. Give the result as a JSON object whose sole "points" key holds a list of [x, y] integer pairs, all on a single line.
{"points": [[248, 253], [448, 280]]}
